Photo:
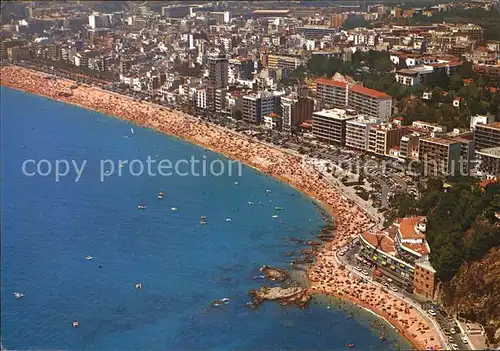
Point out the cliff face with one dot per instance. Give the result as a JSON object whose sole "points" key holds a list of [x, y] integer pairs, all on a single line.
{"points": [[475, 292]]}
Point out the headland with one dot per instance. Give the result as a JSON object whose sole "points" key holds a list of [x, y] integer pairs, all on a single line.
{"points": [[327, 275]]}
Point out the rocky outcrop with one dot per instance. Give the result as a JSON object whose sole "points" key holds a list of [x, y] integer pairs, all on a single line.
{"points": [[474, 292], [274, 274], [287, 296]]}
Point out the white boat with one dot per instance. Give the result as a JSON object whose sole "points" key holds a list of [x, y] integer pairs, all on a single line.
{"points": [[275, 216], [228, 219], [268, 190], [76, 324], [138, 285], [18, 295], [225, 300], [250, 202], [174, 208], [236, 183], [88, 258], [132, 130]]}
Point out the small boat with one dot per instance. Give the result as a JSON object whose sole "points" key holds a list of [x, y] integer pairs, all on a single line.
{"points": [[88, 258], [351, 345], [328, 307], [225, 300], [138, 285], [131, 130], [228, 219], [275, 216], [122, 165], [268, 190], [174, 209], [141, 207], [18, 295], [278, 208], [250, 202], [236, 183], [76, 324]]}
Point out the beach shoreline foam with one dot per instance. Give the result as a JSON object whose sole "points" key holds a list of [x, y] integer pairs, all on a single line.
{"points": [[326, 275]]}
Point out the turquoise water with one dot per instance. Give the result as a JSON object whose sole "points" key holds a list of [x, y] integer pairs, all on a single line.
{"points": [[49, 228]]}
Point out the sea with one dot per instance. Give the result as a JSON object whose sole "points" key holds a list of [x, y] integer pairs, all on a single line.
{"points": [[51, 225]]}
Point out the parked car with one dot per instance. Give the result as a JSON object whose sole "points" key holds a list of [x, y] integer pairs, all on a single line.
{"points": [[432, 313]]}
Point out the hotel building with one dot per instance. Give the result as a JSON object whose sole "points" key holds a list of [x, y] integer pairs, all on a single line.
{"points": [[490, 162], [383, 137], [282, 61], [295, 110], [330, 125], [440, 156], [400, 252], [256, 106], [487, 135], [369, 102], [331, 93], [317, 32], [408, 146], [357, 132]]}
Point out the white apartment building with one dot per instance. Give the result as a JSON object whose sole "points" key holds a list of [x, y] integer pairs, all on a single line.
{"points": [[201, 98], [483, 119], [430, 127], [330, 125], [357, 131]]}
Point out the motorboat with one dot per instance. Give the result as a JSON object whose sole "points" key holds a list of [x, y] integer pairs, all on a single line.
{"points": [[88, 258], [18, 295], [278, 208], [250, 202], [268, 190], [76, 324], [138, 285], [141, 207], [228, 219], [275, 216], [236, 183], [174, 209]]}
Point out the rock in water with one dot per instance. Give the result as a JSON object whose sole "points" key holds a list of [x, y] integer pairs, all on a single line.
{"points": [[274, 274]]}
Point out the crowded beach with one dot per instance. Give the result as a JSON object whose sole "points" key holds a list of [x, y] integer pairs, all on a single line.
{"points": [[327, 275]]}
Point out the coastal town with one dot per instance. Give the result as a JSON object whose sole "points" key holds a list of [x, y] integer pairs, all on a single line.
{"points": [[384, 113]]}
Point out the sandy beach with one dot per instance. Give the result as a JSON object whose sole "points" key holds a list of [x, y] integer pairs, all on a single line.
{"points": [[326, 275]]}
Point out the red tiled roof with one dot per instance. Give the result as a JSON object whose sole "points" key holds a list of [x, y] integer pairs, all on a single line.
{"points": [[380, 241], [485, 182], [370, 92], [420, 248], [407, 228], [331, 82]]}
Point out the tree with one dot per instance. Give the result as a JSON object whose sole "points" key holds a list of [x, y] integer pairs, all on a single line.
{"points": [[456, 82], [355, 22], [237, 115]]}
